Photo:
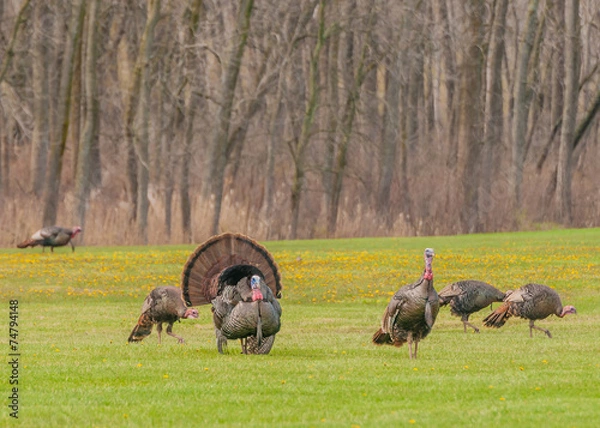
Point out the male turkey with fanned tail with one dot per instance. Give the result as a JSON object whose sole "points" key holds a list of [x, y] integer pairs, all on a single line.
{"points": [[468, 297], [162, 305], [532, 302], [410, 315], [241, 281], [52, 236]]}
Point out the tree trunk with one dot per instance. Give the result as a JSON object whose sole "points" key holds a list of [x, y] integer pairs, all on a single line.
{"points": [[41, 117], [219, 145], [82, 176], [276, 116], [10, 50], [521, 106], [494, 117], [59, 140], [143, 137], [347, 124], [449, 64], [299, 151], [190, 107], [557, 9], [390, 137], [572, 65], [470, 125]]}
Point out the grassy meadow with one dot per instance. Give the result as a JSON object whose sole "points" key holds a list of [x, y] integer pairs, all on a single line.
{"points": [[76, 310]]}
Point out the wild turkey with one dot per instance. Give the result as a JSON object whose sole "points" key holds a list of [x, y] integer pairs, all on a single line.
{"points": [[163, 304], [411, 312], [241, 280], [532, 302], [52, 236], [467, 297]]}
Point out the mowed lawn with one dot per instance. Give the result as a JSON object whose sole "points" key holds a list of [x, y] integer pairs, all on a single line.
{"points": [[76, 310]]}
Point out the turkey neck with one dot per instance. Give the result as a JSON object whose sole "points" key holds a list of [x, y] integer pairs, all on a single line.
{"points": [[428, 274]]}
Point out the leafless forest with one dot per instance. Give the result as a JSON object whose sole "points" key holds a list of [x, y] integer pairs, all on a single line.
{"points": [[167, 121]]}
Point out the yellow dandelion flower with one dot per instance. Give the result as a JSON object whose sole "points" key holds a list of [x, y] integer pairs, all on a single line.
{"points": [[502, 399], [165, 376], [411, 421]]}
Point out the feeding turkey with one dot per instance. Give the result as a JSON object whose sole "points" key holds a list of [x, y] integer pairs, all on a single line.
{"points": [[468, 297], [52, 236], [532, 302], [162, 305], [241, 281], [410, 315]]}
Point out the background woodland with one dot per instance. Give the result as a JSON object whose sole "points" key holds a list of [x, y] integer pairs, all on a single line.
{"points": [[156, 122]]}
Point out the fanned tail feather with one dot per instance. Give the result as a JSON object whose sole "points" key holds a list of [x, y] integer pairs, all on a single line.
{"points": [[25, 244], [498, 317], [199, 279], [142, 329]]}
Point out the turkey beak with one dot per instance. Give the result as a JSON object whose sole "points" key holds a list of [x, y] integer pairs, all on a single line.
{"points": [[191, 313]]}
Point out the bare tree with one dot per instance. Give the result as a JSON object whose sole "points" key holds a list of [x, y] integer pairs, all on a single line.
{"points": [[352, 99], [521, 104], [190, 107], [41, 105], [572, 61], [298, 146], [61, 129], [220, 144], [470, 125], [83, 170], [494, 117], [10, 50], [142, 139], [276, 113]]}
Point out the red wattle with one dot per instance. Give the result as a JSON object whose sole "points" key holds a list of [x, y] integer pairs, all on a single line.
{"points": [[256, 295]]}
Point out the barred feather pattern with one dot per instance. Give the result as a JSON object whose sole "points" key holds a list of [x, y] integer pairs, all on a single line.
{"points": [[162, 305], [219, 272], [253, 322], [411, 312], [468, 297], [532, 302]]}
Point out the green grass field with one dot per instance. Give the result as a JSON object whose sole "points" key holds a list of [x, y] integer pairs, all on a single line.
{"points": [[76, 310]]}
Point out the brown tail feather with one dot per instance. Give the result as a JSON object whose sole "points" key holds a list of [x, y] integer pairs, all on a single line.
{"points": [[381, 338], [498, 317], [198, 280], [26, 244], [142, 329]]}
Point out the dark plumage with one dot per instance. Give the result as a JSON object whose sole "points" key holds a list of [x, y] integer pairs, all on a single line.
{"points": [[241, 280], [410, 315], [467, 297], [163, 304], [246, 309], [532, 302], [52, 236]]}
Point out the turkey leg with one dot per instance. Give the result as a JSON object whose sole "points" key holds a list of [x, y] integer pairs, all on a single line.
{"points": [[465, 320], [170, 333], [159, 331], [532, 326], [410, 347]]}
